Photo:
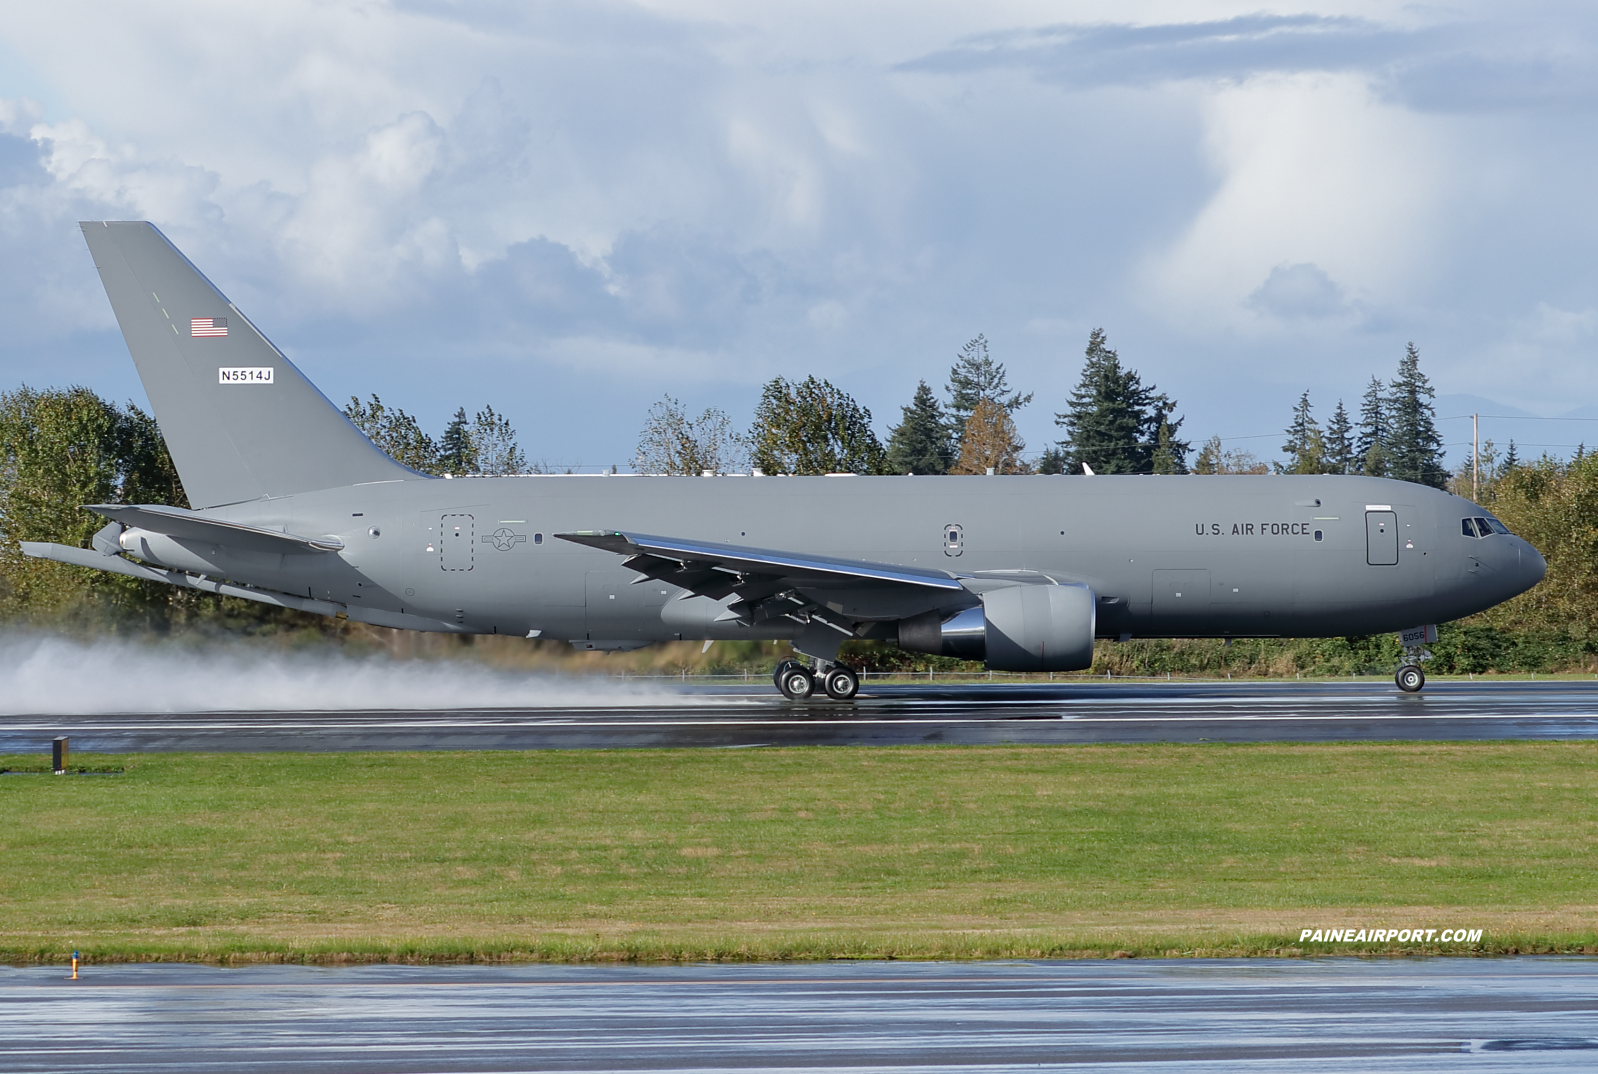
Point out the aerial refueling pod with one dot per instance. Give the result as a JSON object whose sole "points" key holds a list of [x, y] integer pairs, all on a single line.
{"points": [[1016, 628]]}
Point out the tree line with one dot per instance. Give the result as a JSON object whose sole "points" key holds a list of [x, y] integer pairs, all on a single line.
{"points": [[1113, 423]]}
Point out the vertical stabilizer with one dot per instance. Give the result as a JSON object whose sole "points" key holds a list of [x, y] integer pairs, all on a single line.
{"points": [[241, 422]]}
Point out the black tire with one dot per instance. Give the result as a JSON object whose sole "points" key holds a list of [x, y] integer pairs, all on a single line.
{"points": [[1410, 679], [781, 668], [797, 683], [841, 683]]}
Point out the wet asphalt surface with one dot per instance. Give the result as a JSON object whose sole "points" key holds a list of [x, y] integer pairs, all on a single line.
{"points": [[1486, 1015], [755, 715]]}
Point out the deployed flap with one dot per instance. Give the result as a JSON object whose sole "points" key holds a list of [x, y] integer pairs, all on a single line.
{"points": [[240, 420], [191, 526], [792, 568]]}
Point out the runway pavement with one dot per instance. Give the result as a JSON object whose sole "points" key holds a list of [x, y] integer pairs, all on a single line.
{"points": [[753, 716], [1259, 1015]]}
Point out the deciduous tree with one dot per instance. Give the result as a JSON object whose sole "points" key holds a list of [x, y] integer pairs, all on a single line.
{"points": [[990, 442], [1213, 458], [493, 445], [670, 443], [811, 427], [396, 433]]}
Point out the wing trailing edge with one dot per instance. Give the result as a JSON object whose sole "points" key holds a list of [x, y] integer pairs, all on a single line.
{"points": [[660, 557]]}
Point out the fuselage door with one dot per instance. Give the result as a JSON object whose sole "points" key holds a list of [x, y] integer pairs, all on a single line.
{"points": [[1381, 538], [456, 536]]}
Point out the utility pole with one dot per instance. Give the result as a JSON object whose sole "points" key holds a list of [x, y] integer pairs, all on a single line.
{"points": [[1475, 453]]}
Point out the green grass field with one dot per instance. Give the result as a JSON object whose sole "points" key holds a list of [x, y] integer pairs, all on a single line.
{"points": [[799, 853]]}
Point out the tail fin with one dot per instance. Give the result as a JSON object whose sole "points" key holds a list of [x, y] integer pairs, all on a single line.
{"points": [[241, 422]]}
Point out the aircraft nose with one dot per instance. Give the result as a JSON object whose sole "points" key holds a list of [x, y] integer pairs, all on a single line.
{"points": [[1532, 567]]}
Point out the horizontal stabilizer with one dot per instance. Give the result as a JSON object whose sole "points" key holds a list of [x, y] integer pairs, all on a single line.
{"points": [[193, 526], [794, 568], [83, 557]]}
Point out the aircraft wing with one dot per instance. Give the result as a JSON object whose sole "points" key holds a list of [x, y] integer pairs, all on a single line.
{"points": [[193, 526], [716, 570]]}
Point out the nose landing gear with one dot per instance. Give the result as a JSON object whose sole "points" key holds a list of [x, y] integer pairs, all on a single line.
{"points": [[798, 682], [1410, 679]]}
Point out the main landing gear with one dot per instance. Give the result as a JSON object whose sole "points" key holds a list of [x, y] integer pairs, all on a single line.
{"points": [[798, 682]]}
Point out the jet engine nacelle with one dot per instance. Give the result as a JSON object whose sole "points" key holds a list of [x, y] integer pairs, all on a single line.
{"points": [[1016, 628]]}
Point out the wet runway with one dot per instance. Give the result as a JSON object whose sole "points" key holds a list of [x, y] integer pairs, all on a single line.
{"points": [[752, 716], [1257, 1015]]}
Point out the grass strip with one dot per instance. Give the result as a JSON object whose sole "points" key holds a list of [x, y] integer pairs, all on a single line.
{"points": [[803, 853]]}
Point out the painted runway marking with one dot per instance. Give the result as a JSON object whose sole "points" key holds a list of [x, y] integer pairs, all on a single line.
{"points": [[906, 721]]}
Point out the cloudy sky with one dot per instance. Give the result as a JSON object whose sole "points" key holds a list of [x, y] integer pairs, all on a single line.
{"points": [[567, 210]]}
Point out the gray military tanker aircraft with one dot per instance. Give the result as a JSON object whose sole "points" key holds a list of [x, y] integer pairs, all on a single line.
{"points": [[293, 506]]}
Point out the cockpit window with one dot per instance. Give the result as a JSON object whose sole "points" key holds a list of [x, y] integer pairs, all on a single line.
{"points": [[1481, 526]]}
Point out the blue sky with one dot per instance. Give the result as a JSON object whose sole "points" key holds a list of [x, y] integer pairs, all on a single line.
{"points": [[567, 210]]}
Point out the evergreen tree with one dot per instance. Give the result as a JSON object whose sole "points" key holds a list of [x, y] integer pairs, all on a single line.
{"points": [[1305, 447], [1415, 448], [1339, 440], [975, 377], [1170, 454], [920, 443], [1371, 447], [456, 454], [1115, 424], [811, 427], [1053, 461], [1511, 458]]}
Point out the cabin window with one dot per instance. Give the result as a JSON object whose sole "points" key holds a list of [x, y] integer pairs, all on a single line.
{"points": [[1318, 535], [953, 540], [538, 538]]}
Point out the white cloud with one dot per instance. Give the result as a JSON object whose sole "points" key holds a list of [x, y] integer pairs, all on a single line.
{"points": [[620, 197], [1311, 169], [1302, 290]]}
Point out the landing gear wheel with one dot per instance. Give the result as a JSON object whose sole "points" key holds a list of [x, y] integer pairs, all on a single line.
{"points": [[796, 682], [841, 683], [1410, 679], [782, 668]]}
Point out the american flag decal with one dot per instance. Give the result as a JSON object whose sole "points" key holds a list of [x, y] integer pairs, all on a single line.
{"points": [[207, 326]]}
